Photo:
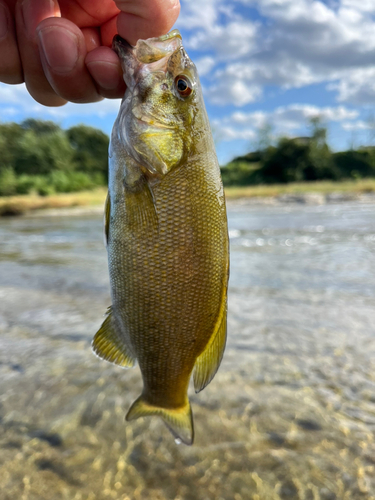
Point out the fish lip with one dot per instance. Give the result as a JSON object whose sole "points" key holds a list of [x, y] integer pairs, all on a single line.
{"points": [[145, 54], [120, 45]]}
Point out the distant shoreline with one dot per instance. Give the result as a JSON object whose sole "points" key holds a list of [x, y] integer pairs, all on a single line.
{"points": [[92, 202]]}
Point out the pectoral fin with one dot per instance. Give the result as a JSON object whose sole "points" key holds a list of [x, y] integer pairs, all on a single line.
{"points": [[109, 346], [178, 420], [141, 212], [209, 361]]}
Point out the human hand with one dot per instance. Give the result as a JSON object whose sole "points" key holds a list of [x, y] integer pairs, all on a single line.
{"points": [[61, 49]]}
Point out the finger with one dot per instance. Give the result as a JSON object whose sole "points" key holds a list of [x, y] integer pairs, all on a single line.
{"points": [[63, 51], [104, 67], [87, 13], [143, 19], [92, 38], [10, 61], [107, 31], [29, 13]]}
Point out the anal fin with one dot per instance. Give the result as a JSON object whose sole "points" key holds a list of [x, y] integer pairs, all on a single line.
{"points": [[209, 361], [108, 345]]}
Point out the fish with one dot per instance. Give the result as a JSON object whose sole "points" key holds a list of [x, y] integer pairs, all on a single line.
{"points": [[166, 234]]}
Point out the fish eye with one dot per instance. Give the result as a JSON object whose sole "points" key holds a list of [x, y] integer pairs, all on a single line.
{"points": [[183, 85]]}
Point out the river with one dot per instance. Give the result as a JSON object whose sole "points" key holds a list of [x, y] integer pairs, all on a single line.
{"points": [[290, 414]]}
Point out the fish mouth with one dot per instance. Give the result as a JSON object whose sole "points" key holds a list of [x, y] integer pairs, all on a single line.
{"points": [[121, 46], [150, 50]]}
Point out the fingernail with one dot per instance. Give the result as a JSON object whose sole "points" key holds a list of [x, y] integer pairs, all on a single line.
{"points": [[60, 48], [3, 22], [33, 12]]}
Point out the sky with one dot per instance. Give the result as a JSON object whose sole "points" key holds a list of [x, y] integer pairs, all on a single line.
{"points": [[274, 63]]}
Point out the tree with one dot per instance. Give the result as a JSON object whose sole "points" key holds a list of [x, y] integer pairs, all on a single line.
{"points": [[322, 165], [90, 148], [40, 154], [287, 162], [40, 126], [10, 134], [264, 137]]}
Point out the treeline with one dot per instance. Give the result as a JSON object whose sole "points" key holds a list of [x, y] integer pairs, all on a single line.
{"points": [[38, 156], [299, 159]]}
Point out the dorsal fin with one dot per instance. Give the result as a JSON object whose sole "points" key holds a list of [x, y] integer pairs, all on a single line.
{"points": [[108, 345], [209, 361]]}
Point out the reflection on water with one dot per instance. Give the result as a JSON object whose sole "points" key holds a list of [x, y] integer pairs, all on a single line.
{"points": [[290, 415]]}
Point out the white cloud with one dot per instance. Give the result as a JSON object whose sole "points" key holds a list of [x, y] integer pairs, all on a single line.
{"points": [[357, 87], [285, 120], [257, 118], [205, 65], [367, 6], [296, 115], [225, 39], [301, 42], [198, 14], [228, 133], [237, 93], [357, 125]]}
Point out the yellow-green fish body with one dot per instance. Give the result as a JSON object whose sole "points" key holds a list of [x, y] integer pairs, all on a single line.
{"points": [[166, 232]]}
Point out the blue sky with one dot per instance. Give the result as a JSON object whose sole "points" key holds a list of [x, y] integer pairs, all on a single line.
{"points": [[276, 62]]}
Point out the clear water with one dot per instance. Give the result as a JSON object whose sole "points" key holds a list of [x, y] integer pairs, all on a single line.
{"points": [[300, 355]]}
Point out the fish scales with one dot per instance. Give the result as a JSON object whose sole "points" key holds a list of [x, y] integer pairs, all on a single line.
{"points": [[167, 246]]}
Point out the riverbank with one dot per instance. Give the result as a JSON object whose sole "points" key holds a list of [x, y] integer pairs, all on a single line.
{"points": [[20, 205], [302, 192]]}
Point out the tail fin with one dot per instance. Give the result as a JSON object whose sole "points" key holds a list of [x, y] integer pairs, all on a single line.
{"points": [[178, 420]]}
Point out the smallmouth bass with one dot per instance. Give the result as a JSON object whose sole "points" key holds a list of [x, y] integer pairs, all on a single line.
{"points": [[166, 234]]}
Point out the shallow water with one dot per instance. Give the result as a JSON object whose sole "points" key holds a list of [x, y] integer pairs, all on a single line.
{"points": [[291, 413]]}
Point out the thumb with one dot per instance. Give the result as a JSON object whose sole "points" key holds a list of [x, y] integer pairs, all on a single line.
{"points": [[141, 19]]}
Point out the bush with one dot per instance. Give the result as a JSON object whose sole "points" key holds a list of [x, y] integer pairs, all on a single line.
{"points": [[286, 163], [90, 147], [68, 182], [8, 181], [355, 164], [44, 187], [40, 154], [295, 160], [26, 184], [239, 173]]}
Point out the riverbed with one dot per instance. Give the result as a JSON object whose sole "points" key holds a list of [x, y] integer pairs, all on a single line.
{"points": [[290, 414]]}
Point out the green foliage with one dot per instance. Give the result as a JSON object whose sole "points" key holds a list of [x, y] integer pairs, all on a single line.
{"points": [[10, 134], [8, 181], [287, 162], [240, 173], [39, 157], [40, 126], [40, 154], [296, 160], [300, 159], [27, 184], [90, 149], [355, 164], [67, 182]]}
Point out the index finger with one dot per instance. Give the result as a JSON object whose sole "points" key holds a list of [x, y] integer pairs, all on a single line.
{"points": [[144, 19]]}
